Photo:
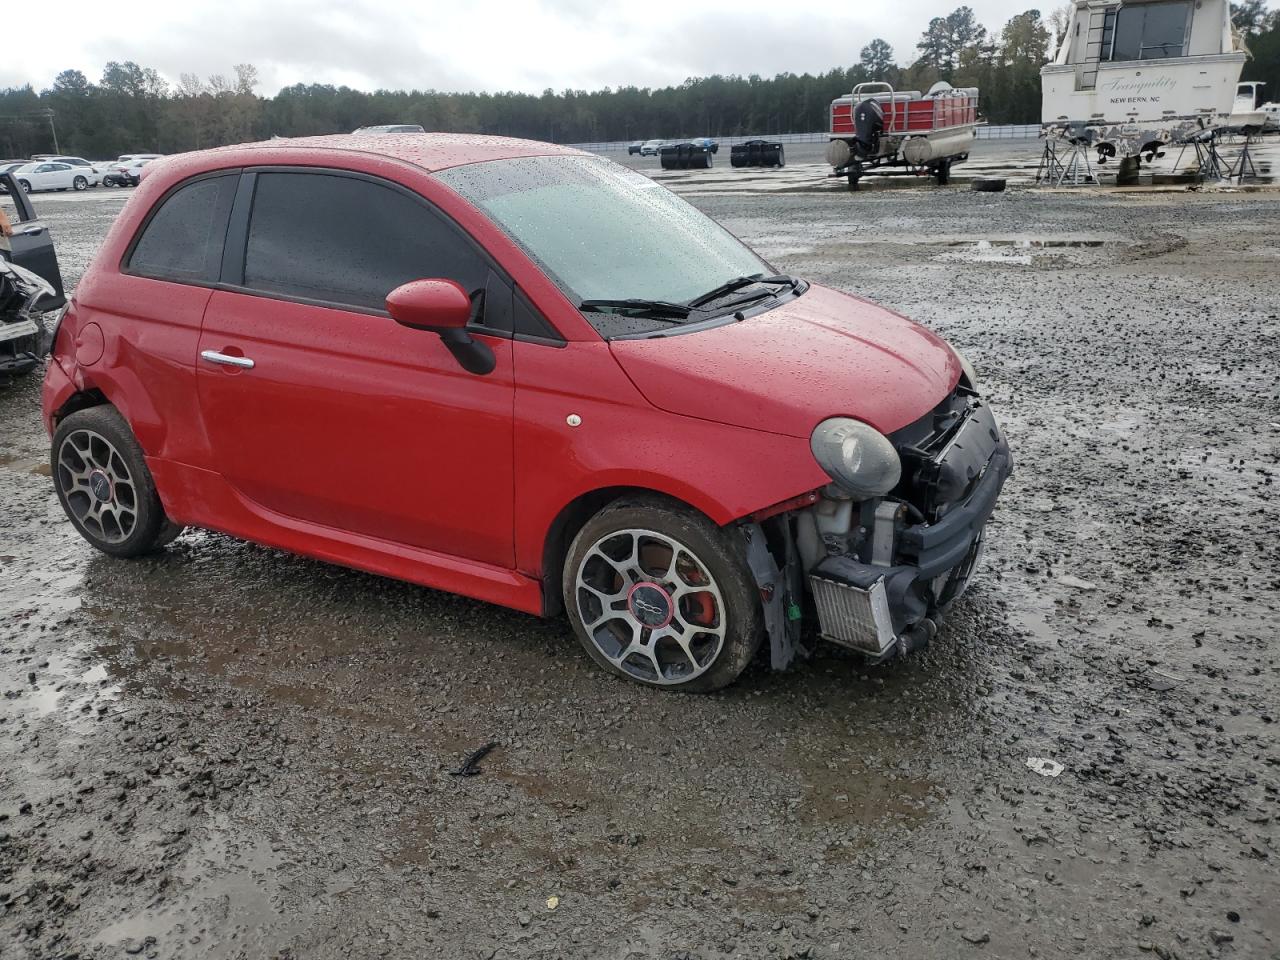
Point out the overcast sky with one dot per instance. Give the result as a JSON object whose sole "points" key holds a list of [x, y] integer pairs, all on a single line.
{"points": [[469, 44]]}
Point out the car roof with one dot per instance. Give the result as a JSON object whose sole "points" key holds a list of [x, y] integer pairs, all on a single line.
{"points": [[429, 151]]}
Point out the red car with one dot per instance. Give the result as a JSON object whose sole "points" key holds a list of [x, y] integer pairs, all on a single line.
{"points": [[526, 374]]}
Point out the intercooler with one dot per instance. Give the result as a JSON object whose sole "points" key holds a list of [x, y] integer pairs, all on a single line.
{"points": [[852, 616]]}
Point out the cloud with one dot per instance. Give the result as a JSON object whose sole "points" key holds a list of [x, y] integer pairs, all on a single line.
{"points": [[489, 45]]}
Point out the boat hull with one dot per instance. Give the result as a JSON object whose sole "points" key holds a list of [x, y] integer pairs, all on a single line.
{"points": [[1138, 103]]}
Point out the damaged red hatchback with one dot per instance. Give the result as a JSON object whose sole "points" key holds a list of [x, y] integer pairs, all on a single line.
{"points": [[529, 375]]}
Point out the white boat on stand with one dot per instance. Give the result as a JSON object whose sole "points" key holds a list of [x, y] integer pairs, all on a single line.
{"points": [[1133, 76]]}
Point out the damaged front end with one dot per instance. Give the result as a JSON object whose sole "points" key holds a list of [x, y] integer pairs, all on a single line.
{"points": [[24, 338], [893, 541]]}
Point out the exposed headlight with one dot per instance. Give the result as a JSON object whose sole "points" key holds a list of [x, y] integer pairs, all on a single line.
{"points": [[859, 458], [970, 374]]}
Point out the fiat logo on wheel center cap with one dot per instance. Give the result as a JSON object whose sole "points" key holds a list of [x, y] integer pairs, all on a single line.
{"points": [[100, 484], [650, 604]]}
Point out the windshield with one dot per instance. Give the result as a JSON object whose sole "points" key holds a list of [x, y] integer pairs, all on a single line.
{"points": [[603, 232]]}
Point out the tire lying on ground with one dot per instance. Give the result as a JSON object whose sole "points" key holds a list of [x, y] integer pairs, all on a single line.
{"points": [[757, 153], [988, 184], [685, 156]]}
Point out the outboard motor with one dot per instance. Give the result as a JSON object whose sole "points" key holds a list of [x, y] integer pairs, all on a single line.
{"points": [[868, 124]]}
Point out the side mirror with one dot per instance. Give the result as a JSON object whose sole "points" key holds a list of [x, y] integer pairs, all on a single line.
{"points": [[430, 305], [442, 307]]}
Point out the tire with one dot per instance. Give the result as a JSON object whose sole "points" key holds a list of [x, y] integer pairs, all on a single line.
{"points": [[108, 181], [104, 486], [988, 184], [80, 183], [942, 172], [25, 185], [675, 551], [782, 157]]}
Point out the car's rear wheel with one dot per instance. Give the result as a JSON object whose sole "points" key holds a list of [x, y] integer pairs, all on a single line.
{"points": [[80, 183], [104, 486], [658, 594], [26, 185], [108, 181]]}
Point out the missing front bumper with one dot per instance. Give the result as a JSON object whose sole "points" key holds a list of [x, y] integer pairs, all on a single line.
{"points": [[875, 608]]}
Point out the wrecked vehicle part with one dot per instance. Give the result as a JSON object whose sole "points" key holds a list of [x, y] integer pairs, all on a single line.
{"points": [[883, 570], [780, 589], [24, 337]]}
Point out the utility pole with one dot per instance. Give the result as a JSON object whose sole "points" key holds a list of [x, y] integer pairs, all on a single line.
{"points": [[53, 130]]}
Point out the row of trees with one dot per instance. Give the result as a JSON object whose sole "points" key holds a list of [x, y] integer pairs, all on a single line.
{"points": [[133, 108]]}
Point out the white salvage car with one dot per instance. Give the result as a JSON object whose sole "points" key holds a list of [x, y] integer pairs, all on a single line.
{"points": [[50, 175], [93, 171]]}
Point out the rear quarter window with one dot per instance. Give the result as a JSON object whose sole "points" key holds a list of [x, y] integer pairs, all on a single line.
{"points": [[183, 238]]}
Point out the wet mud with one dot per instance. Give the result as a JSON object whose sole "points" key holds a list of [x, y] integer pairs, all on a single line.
{"points": [[226, 751]]}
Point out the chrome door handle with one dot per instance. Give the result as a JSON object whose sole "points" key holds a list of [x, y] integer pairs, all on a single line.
{"points": [[213, 356], [32, 231]]}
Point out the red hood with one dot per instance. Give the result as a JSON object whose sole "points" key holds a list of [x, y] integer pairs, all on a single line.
{"points": [[823, 354]]}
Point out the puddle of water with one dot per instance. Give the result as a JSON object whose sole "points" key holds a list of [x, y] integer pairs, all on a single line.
{"points": [[231, 903], [1019, 251]]}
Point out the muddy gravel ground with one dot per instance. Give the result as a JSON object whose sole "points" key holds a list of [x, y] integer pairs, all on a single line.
{"points": [[225, 751]]}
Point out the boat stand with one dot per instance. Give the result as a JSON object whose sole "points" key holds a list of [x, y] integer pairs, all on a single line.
{"points": [[1070, 168], [1236, 170], [1208, 159]]}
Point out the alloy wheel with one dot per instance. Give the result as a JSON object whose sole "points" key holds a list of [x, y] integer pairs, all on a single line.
{"points": [[99, 490], [650, 606]]}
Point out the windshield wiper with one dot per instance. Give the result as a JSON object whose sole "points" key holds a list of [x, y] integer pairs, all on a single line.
{"points": [[737, 283], [657, 308]]}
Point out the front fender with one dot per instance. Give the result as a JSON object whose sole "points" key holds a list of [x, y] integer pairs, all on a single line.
{"points": [[582, 426]]}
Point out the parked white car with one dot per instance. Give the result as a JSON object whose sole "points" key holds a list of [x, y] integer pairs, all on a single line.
{"points": [[651, 148], [50, 175], [91, 170]]}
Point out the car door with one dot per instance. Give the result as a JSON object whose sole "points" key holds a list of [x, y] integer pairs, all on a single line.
{"points": [[31, 243], [61, 176], [42, 177], [318, 406]]}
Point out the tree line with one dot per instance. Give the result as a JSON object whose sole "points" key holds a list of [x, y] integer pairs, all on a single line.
{"points": [[134, 109]]}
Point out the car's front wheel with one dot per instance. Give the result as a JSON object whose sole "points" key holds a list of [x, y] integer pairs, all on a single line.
{"points": [[80, 183], [659, 594], [26, 185], [104, 486]]}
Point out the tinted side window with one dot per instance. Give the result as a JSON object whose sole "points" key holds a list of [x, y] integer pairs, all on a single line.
{"points": [[183, 241], [349, 241]]}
